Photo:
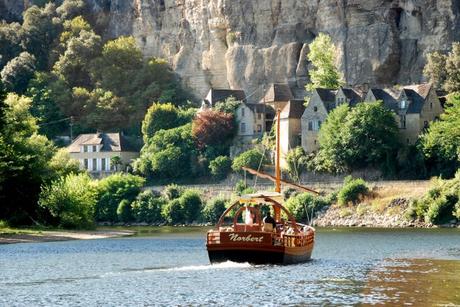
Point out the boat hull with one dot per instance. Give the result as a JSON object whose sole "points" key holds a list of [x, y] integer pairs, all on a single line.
{"points": [[257, 256]]}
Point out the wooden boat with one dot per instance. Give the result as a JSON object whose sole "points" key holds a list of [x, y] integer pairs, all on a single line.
{"points": [[251, 240]]}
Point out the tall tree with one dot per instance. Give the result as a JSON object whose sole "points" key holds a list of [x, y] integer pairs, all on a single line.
{"points": [[435, 68], [452, 83], [17, 73], [323, 56], [441, 144], [211, 128]]}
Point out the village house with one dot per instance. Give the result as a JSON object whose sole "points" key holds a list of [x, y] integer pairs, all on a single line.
{"points": [[290, 127], [275, 97], [415, 107], [216, 95], [96, 151]]}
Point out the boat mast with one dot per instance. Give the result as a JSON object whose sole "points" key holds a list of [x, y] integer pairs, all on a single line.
{"points": [[277, 164]]}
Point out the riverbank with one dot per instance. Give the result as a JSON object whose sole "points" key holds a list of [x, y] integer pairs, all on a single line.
{"points": [[11, 236]]}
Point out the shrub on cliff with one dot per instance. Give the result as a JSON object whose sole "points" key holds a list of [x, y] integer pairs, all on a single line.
{"points": [[352, 191]]}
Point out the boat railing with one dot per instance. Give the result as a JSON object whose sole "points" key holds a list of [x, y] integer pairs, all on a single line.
{"points": [[213, 237]]}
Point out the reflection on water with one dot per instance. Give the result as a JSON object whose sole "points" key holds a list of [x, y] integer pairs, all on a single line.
{"points": [[419, 282], [350, 267]]}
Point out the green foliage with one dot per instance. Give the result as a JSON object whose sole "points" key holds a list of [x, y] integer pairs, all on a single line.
{"points": [[168, 154], [160, 116], [11, 36], [435, 68], [452, 83], [366, 135], [112, 190], [24, 161], [71, 8], [17, 73], [148, 207], [304, 206], [172, 191], [444, 70], [214, 209], [440, 204], [191, 204], [173, 212], [251, 158], [241, 188], [230, 105], [297, 162], [220, 166], [62, 164], [353, 190], [441, 144], [124, 211], [71, 200], [323, 56]]}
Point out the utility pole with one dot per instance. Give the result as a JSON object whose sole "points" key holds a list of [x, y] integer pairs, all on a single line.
{"points": [[71, 129]]}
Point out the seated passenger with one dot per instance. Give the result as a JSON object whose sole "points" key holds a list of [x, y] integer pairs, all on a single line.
{"points": [[269, 223]]}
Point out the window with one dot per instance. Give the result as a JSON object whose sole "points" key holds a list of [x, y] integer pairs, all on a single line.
{"points": [[319, 124], [259, 128], [94, 148], [425, 124], [315, 142], [85, 148], [242, 112], [85, 163], [310, 126], [431, 105], [402, 105], [315, 109], [407, 141], [402, 122], [259, 115], [103, 168], [243, 127], [94, 164]]}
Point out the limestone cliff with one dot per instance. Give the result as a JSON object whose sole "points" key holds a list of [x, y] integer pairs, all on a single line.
{"points": [[246, 43]]}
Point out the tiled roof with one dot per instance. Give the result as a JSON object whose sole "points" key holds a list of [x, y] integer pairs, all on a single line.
{"points": [[326, 95], [277, 92], [114, 142], [353, 96], [293, 109], [388, 96], [256, 107], [222, 94]]}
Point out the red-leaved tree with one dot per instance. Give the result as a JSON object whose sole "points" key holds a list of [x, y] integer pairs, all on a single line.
{"points": [[212, 128]]}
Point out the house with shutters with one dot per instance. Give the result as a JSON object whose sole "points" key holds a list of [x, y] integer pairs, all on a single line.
{"points": [[216, 95], [415, 107], [96, 151], [290, 127]]}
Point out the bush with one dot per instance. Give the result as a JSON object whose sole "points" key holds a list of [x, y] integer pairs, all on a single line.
{"points": [[220, 166], [71, 200], [124, 211], [147, 207], [303, 206], [173, 212], [251, 158], [352, 191], [440, 204], [241, 188], [172, 191], [114, 189], [214, 209], [191, 204]]}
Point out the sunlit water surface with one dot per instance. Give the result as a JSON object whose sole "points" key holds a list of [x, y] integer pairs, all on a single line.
{"points": [[350, 267]]}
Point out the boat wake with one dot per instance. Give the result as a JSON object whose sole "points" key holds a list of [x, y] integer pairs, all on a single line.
{"points": [[223, 265]]}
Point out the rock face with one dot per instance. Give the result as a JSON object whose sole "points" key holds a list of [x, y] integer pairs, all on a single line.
{"points": [[245, 44]]}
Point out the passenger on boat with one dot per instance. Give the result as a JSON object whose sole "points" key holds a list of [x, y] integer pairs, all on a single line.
{"points": [[269, 223]]}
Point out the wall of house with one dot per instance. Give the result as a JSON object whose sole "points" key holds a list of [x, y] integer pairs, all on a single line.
{"points": [[431, 110], [310, 137], [413, 129], [126, 158], [259, 122], [245, 116]]}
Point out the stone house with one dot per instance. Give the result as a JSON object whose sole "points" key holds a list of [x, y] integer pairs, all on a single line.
{"points": [[414, 106], [275, 97], [94, 152], [290, 127]]}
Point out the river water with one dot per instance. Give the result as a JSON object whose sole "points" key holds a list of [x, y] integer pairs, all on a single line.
{"points": [[416, 267]]}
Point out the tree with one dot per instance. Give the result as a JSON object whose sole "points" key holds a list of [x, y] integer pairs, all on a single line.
{"points": [[114, 189], [220, 166], [435, 68], [11, 36], [303, 206], [323, 56], [452, 83], [366, 135], [214, 209], [71, 200], [441, 143], [230, 105], [160, 116], [251, 158], [191, 203], [71, 8], [62, 164], [211, 128], [297, 162], [17, 73], [24, 162], [148, 207], [115, 161]]}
